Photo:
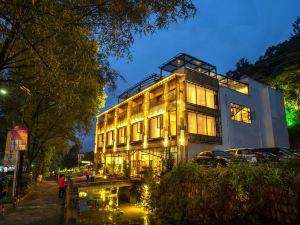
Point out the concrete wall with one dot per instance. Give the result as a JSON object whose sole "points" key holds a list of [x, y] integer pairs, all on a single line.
{"points": [[268, 129]]}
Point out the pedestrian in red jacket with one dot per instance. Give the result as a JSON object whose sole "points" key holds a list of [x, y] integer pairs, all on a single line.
{"points": [[61, 186]]}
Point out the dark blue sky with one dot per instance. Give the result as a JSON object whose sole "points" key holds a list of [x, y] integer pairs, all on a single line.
{"points": [[221, 33]]}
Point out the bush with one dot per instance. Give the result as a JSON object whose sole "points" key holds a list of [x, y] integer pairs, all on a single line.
{"points": [[240, 194]]}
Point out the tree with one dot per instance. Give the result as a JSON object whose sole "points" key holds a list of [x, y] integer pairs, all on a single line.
{"points": [[71, 159], [296, 26], [57, 51], [279, 67]]}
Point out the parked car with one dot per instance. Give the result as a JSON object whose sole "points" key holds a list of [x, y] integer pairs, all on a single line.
{"points": [[279, 152], [243, 154], [213, 158], [266, 157]]}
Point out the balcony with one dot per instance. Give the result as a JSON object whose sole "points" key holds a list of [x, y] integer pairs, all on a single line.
{"points": [[122, 116], [135, 110], [155, 103]]}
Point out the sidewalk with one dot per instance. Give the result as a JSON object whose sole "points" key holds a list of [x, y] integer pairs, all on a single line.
{"points": [[41, 207]]}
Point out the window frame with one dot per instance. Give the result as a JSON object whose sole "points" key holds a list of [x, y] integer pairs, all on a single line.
{"points": [[236, 106], [216, 95], [159, 125], [112, 138], [216, 119], [140, 130], [124, 136]]}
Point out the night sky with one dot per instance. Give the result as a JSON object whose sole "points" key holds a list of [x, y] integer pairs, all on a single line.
{"points": [[221, 33]]}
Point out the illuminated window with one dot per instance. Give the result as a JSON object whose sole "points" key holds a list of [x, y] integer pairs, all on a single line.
{"points": [[210, 98], [122, 135], [156, 127], [137, 131], [199, 95], [211, 125], [172, 120], [172, 95], [192, 122], [200, 91], [241, 113], [110, 138], [190, 93], [100, 140], [201, 124]]}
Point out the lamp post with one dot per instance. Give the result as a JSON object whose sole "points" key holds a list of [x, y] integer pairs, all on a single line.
{"points": [[17, 143]]}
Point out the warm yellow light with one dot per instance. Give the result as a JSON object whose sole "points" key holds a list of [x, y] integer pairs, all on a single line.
{"points": [[82, 194], [166, 142], [181, 140], [145, 143], [3, 91], [137, 119], [119, 160]]}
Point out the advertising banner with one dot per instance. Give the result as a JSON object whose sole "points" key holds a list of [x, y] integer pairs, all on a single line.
{"points": [[18, 138]]}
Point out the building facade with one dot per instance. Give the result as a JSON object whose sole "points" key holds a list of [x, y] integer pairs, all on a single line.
{"points": [[190, 110]]}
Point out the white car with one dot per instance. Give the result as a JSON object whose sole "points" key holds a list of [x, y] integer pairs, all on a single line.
{"points": [[243, 153]]}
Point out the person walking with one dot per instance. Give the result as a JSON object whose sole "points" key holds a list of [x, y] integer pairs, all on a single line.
{"points": [[87, 174], [61, 186], [93, 175]]}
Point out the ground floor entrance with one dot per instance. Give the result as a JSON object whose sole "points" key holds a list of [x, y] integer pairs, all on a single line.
{"points": [[136, 163]]}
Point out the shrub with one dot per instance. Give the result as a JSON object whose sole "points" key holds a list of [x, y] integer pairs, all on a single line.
{"points": [[240, 194]]}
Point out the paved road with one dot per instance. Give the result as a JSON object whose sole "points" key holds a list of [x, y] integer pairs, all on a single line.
{"points": [[41, 207]]}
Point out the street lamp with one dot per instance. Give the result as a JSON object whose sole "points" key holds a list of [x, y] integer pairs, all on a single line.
{"points": [[3, 91], [18, 164]]}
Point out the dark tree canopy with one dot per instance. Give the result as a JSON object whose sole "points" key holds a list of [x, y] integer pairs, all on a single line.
{"points": [[54, 62], [279, 67]]}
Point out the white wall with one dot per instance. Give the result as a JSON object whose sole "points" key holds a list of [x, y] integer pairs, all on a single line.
{"points": [[268, 129]]}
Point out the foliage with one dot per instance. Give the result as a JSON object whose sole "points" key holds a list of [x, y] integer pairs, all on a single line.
{"points": [[70, 160], [280, 68], [54, 62], [89, 156], [241, 194], [296, 26]]}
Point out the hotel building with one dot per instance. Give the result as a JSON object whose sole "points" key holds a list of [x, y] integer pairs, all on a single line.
{"points": [[190, 110]]}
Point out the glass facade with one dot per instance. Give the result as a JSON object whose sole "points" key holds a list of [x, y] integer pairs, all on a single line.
{"points": [[241, 113], [201, 124], [156, 127], [122, 135], [137, 131], [199, 95]]}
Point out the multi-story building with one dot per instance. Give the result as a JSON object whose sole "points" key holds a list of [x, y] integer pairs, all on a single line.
{"points": [[190, 110]]}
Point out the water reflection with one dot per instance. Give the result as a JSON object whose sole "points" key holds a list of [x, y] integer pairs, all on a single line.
{"points": [[106, 207]]}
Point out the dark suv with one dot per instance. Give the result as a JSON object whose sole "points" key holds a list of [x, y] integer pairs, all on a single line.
{"points": [[212, 158], [277, 153]]}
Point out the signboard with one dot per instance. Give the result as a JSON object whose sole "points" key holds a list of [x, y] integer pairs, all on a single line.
{"points": [[18, 138], [10, 156]]}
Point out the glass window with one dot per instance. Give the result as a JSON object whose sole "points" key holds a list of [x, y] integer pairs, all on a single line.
{"points": [[192, 123], [190, 93], [137, 131], [122, 135], [240, 113], [100, 140], [200, 95], [210, 98], [172, 95], [109, 138], [211, 126], [172, 120], [156, 127], [201, 123]]}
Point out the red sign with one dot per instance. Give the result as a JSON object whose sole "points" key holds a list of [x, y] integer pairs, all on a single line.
{"points": [[18, 139]]}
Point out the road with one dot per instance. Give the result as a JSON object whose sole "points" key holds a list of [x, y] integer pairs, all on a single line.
{"points": [[41, 207]]}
